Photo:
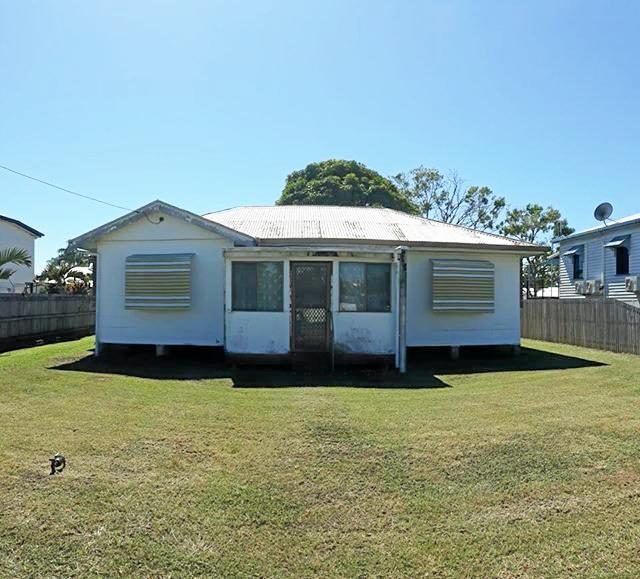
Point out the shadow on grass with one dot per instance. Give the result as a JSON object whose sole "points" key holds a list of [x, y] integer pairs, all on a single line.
{"points": [[426, 368]]}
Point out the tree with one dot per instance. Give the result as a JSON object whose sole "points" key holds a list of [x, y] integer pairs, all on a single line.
{"points": [[338, 182], [535, 224], [68, 271], [12, 256], [444, 198]]}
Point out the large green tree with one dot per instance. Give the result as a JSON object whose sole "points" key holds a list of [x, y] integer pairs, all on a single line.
{"points": [[444, 197], [536, 224], [339, 182]]}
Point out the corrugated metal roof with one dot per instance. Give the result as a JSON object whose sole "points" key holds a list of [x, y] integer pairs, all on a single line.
{"points": [[290, 223]]}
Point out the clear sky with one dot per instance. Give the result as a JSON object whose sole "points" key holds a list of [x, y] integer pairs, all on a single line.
{"points": [[209, 104]]}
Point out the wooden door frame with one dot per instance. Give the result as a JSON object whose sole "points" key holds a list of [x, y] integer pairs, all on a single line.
{"points": [[292, 334]]}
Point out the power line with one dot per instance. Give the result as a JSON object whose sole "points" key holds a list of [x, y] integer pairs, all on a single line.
{"points": [[64, 189]]}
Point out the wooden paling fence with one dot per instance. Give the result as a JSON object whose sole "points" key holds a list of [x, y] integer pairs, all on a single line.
{"points": [[605, 324], [29, 318]]}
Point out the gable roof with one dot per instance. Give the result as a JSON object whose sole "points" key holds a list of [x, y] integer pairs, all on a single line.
{"points": [[22, 225], [612, 224], [297, 224], [88, 240]]}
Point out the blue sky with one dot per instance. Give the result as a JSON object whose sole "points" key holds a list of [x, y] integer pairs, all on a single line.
{"points": [[210, 104]]}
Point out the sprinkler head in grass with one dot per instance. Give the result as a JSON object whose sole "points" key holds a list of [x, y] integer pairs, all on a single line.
{"points": [[58, 463]]}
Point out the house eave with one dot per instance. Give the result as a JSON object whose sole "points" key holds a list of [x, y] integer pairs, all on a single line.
{"points": [[410, 245]]}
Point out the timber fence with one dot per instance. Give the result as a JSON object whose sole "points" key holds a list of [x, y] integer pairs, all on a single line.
{"points": [[31, 318], [605, 324]]}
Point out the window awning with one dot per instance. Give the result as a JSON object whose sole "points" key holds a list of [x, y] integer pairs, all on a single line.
{"points": [[617, 241], [575, 249]]}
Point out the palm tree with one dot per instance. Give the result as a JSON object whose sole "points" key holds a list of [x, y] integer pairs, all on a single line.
{"points": [[13, 256]]}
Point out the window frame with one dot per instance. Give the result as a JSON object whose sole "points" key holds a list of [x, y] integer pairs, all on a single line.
{"points": [[257, 263], [366, 265], [577, 256]]}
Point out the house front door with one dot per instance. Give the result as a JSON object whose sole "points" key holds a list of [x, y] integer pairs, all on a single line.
{"points": [[310, 306]]}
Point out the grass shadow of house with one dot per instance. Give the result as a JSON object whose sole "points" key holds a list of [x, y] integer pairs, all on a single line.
{"points": [[427, 369]]}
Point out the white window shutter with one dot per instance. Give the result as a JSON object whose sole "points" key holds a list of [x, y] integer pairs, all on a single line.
{"points": [[460, 285], [158, 281]]}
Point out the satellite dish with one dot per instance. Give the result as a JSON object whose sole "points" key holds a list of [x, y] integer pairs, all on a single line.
{"points": [[603, 212]]}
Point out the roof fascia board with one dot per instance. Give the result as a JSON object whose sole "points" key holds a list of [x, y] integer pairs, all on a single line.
{"points": [[89, 239]]}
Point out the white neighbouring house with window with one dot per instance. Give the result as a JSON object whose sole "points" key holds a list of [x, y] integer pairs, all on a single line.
{"points": [[603, 261], [284, 280]]}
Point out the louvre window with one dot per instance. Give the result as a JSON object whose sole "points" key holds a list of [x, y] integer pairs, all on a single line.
{"points": [[365, 287], [463, 285], [158, 281], [257, 286]]}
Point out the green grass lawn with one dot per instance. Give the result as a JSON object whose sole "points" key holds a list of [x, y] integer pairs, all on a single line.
{"points": [[509, 468]]}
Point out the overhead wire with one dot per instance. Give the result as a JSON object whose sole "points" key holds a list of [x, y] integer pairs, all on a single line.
{"points": [[49, 184]]}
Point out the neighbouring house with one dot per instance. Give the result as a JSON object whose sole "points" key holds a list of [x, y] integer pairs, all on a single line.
{"points": [[603, 261], [15, 234], [286, 280]]}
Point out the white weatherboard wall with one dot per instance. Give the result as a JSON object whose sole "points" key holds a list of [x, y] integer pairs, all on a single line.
{"points": [[270, 332], [593, 262], [428, 328], [12, 236], [566, 290], [201, 325], [616, 283]]}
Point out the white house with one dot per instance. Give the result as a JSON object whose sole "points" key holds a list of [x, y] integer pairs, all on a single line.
{"points": [[287, 280], [15, 234], [603, 261]]}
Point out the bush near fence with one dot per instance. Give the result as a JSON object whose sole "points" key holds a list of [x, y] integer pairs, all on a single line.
{"points": [[605, 324], [29, 318]]}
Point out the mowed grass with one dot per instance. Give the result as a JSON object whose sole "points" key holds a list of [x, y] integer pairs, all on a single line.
{"points": [[488, 467]]}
